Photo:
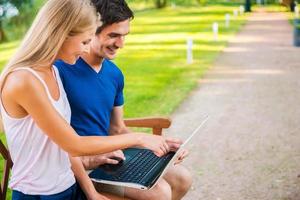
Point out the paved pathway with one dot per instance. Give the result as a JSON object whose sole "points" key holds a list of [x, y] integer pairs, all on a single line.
{"points": [[250, 147]]}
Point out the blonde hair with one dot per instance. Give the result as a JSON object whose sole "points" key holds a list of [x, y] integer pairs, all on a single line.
{"points": [[56, 20]]}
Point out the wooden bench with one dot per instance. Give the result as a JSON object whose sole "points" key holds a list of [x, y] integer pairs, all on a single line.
{"points": [[156, 124]]}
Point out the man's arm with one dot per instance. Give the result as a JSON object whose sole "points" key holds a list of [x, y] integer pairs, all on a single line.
{"points": [[117, 125]]}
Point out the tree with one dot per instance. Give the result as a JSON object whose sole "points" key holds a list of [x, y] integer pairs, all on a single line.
{"points": [[247, 5], [6, 8], [160, 3], [3, 13]]}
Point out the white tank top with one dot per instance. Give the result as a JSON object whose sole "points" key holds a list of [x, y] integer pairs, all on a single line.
{"points": [[40, 166]]}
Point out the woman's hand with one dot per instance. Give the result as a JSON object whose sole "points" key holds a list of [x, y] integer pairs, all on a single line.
{"points": [[174, 144], [157, 144]]}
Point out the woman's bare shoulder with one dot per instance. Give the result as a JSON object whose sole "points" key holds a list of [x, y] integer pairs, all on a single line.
{"points": [[19, 81]]}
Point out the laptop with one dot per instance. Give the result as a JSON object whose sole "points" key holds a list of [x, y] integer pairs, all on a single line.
{"points": [[141, 169]]}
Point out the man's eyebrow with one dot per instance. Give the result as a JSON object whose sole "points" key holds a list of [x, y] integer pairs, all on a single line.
{"points": [[115, 33]]}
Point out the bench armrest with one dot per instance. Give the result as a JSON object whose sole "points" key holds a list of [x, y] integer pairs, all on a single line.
{"points": [[156, 123]]}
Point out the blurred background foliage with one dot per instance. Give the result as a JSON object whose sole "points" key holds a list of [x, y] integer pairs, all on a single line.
{"points": [[17, 15]]}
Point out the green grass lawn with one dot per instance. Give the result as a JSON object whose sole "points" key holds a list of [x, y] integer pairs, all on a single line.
{"points": [[154, 58], [157, 77]]}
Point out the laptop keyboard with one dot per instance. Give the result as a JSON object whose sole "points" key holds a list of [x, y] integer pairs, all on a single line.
{"points": [[139, 166]]}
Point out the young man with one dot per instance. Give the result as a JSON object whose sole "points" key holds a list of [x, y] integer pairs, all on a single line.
{"points": [[94, 86]]}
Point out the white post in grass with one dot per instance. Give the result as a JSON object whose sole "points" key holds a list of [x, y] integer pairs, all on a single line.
{"points": [[242, 10], [227, 20], [235, 13], [173, 5], [189, 55], [215, 28], [296, 11], [258, 2]]}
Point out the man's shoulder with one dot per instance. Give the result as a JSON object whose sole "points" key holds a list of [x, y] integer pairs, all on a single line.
{"points": [[61, 65], [112, 66], [64, 67], [109, 63]]}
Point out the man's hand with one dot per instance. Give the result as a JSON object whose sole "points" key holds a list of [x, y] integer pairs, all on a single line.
{"points": [[109, 158], [182, 155], [92, 162]]}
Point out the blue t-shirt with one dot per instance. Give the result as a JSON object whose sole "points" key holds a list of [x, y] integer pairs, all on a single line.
{"points": [[92, 95]]}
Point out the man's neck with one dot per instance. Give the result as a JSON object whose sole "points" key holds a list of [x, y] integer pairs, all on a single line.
{"points": [[94, 61]]}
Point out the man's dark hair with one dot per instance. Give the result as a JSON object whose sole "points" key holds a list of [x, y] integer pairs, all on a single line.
{"points": [[112, 11]]}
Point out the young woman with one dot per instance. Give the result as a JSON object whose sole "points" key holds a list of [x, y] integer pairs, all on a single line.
{"points": [[35, 110]]}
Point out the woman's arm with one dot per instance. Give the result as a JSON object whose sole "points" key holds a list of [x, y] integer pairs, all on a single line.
{"points": [[24, 91]]}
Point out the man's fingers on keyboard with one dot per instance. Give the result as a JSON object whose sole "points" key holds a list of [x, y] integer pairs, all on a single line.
{"points": [[112, 161], [118, 155]]}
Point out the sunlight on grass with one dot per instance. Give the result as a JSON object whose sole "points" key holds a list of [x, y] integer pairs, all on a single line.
{"points": [[6, 50], [154, 58], [8, 45], [5, 55]]}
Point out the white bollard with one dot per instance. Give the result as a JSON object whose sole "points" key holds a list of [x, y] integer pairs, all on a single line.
{"points": [[189, 55], [242, 10], [235, 13], [227, 20], [296, 11], [215, 28], [173, 5]]}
